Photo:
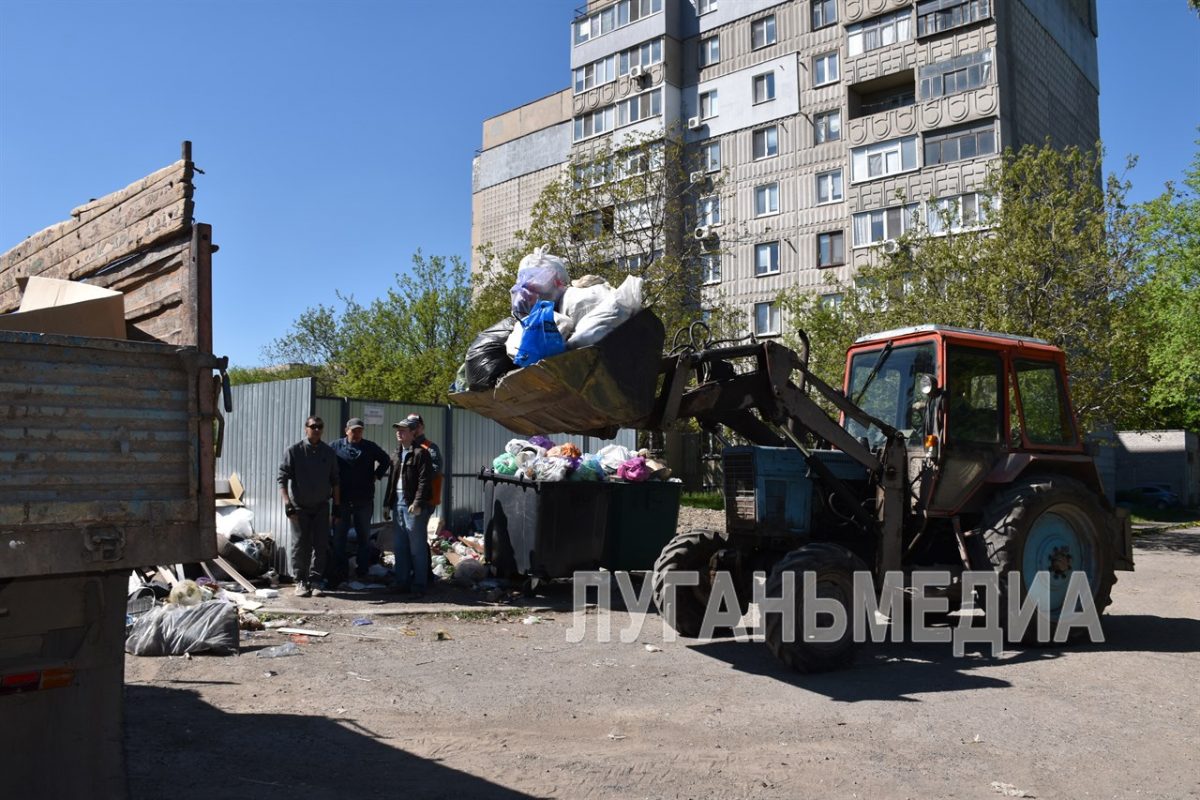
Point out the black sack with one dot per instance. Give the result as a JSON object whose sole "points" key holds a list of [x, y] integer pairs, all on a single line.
{"points": [[487, 357]]}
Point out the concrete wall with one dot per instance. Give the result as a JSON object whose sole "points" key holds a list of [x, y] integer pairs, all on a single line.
{"points": [[1171, 458]]}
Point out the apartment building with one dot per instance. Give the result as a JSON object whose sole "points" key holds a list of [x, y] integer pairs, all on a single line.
{"points": [[834, 124]]}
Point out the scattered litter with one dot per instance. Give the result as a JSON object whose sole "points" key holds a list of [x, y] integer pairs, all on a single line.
{"points": [[275, 623], [408, 632], [652, 649], [531, 620], [362, 621], [359, 677], [615, 736], [1008, 790], [443, 636], [279, 651], [270, 673], [976, 740], [305, 631], [186, 593], [299, 638], [247, 621], [266, 594]]}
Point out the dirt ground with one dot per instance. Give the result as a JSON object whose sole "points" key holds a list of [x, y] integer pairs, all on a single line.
{"points": [[487, 706]]}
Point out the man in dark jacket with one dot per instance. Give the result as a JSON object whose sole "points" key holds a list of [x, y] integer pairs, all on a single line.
{"points": [[409, 495], [361, 463], [310, 470]]}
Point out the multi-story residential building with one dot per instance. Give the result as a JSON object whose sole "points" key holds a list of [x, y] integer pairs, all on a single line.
{"points": [[834, 123]]}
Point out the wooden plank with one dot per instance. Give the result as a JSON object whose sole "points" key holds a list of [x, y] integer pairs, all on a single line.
{"points": [[303, 631], [233, 573], [166, 575], [179, 172]]}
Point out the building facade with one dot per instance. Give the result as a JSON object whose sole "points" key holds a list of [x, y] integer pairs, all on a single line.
{"points": [[834, 124]]}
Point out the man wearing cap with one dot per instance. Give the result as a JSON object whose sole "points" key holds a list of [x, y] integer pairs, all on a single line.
{"points": [[419, 440], [361, 463], [310, 471], [410, 495]]}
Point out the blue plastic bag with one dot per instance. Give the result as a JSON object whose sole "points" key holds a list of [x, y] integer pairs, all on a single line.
{"points": [[541, 338]]}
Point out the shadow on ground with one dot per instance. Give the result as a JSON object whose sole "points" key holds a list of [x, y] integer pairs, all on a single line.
{"points": [[1185, 540], [901, 671], [175, 744]]}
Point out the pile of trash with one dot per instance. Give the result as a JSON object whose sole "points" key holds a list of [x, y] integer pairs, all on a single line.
{"points": [[550, 315], [196, 616], [540, 459], [458, 558], [252, 554]]}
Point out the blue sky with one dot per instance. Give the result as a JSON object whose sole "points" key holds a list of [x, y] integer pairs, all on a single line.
{"points": [[336, 138]]}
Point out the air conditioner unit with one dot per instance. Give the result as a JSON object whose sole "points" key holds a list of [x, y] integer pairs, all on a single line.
{"points": [[694, 123], [703, 232], [891, 246], [637, 72], [697, 177]]}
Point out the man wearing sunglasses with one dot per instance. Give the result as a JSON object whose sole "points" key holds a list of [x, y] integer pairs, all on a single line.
{"points": [[310, 471]]}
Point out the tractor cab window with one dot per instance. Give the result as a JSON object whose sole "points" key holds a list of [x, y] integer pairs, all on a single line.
{"points": [[974, 395], [884, 383], [1044, 401]]}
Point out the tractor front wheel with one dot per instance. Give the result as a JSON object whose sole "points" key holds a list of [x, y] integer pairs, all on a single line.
{"points": [[832, 567], [697, 551]]}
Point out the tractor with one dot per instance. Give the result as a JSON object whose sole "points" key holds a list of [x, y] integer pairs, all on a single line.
{"points": [[951, 450]]}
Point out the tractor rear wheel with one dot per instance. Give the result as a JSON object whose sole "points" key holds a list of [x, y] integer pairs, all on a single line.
{"points": [[833, 567], [696, 551], [1053, 526]]}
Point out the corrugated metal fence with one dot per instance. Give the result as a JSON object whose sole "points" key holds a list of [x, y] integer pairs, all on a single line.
{"points": [[269, 417]]}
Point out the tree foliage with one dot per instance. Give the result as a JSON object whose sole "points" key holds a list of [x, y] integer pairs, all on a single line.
{"points": [[1167, 305], [1057, 260], [406, 345]]}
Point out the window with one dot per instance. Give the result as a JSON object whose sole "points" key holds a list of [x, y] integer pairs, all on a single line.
{"points": [[711, 156], [971, 210], [708, 210], [705, 6], [594, 123], [884, 158], [623, 13], [825, 69], [595, 74], [633, 216], [710, 51], [766, 142], [959, 74], [766, 258], [831, 249], [710, 268], [827, 126], [639, 107], [886, 99], [875, 227], [708, 104], [879, 32], [829, 187], [1044, 401], [764, 87], [824, 13], [974, 398], [643, 55], [832, 301], [762, 32], [766, 319], [978, 139], [934, 16], [766, 199]]}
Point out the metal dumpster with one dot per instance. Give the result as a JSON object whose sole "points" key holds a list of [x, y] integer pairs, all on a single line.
{"points": [[642, 518], [543, 529]]}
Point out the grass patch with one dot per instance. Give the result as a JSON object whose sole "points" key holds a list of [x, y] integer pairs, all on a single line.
{"points": [[1167, 516], [487, 614], [713, 500]]}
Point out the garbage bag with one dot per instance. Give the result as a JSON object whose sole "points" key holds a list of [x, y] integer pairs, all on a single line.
{"points": [[612, 457], [235, 521], [542, 338], [634, 469], [488, 358], [589, 469], [606, 315], [541, 276], [174, 630], [543, 442], [565, 450], [505, 464], [578, 301]]}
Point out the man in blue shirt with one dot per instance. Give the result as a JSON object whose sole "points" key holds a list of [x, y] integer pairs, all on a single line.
{"points": [[360, 464]]}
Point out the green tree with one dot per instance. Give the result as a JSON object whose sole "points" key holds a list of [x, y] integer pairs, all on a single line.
{"points": [[1167, 306], [626, 209], [1048, 251], [406, 345], [243, 375]]}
